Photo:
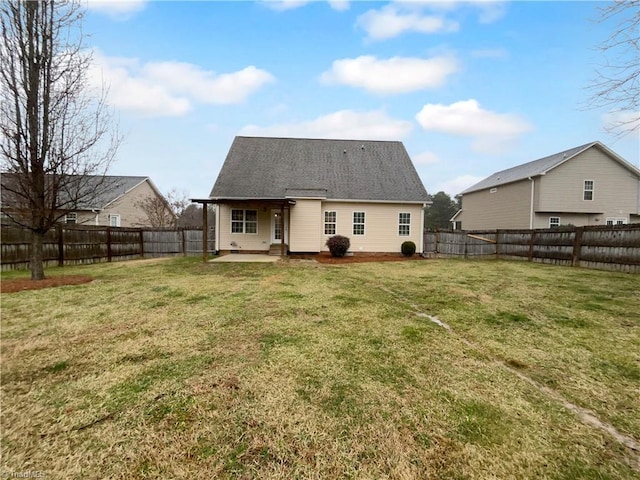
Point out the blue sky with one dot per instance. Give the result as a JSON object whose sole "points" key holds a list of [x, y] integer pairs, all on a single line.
{"points": [[469, 87]]}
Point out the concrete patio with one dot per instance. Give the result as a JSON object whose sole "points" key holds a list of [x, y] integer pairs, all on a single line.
{"points": [[246, 257]]}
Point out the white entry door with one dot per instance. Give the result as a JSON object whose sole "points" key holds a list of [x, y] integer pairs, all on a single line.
{"points": [[276, 226]]}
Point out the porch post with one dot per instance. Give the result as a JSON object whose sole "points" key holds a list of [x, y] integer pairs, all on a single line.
{"points": [[282, 230], [205, 232]]}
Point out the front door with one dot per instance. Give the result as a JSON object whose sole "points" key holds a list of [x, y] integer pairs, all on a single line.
{"points": [[276, 226]]}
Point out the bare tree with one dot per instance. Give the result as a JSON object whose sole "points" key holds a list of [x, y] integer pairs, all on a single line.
{"points": [[55, 131], [617, 82], [164, 211]]}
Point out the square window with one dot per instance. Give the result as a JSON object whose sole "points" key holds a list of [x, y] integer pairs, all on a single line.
{"points": [[71, 217], [114, 220], [554, 222], [244, 221]]}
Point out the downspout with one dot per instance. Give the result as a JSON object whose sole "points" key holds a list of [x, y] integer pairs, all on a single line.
{"points": [[531, 212], [97, 213]]}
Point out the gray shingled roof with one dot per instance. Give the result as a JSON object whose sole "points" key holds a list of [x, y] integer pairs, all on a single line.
{"points": [[540, 167], [112, 188], [91, 191], [277, 168]]}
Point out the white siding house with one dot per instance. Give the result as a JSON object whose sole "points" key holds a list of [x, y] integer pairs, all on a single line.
{"points": [[293, 194]]}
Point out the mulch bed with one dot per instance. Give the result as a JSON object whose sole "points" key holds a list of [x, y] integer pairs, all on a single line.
{"points": [[326, 257], [21, 284]]}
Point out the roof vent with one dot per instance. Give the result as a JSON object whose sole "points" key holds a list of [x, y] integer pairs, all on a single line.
{"points": [[344, 151], [362, 147]]}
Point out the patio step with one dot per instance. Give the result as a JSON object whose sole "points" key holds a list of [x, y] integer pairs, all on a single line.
{"points": [[274, 249]]}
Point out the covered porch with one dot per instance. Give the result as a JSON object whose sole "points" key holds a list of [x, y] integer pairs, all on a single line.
{"points": [[250, 226]]}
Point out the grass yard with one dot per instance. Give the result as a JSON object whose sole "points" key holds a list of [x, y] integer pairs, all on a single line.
{"points": [[174, 369]]}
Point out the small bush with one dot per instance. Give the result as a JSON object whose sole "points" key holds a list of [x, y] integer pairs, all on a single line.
{"points": [[338, 245], [408, 248]]}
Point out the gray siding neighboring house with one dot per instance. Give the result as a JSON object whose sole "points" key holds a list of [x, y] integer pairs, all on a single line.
{"points": [[117, 204], [296, 193], [585, 185]]}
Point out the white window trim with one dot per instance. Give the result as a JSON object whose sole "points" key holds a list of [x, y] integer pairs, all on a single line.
{"points": [[244, 221], [71, 216], [353, 223], [593, 190], [404, 224], [116, 217], [554, 225], [334, 223], [616, 220]]}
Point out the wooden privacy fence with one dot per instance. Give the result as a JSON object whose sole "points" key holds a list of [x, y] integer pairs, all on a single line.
{"points": [[69, 244], [607, 247]]}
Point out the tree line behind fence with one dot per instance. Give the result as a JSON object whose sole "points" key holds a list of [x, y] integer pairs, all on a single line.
{"points": [[69, 245], [601, 247]]}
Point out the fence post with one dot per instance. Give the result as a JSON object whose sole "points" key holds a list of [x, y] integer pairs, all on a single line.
{"points": [[577, 246], [108, 244], [184, 242], [497, 244], [532, 242], [437, 241], [60, 233], [142, 243]]}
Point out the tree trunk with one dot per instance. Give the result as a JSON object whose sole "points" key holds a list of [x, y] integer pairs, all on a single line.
{"points": [[37, 262]]}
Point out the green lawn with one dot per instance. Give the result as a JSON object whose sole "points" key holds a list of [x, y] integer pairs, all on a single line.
{"points": [[174, 369]]}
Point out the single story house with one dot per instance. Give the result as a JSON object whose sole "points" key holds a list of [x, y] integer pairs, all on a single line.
{"points": [[291, 194], [585, 185]]}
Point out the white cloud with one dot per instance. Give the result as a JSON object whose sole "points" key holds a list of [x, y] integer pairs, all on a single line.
{"points": [[394, 75], [425, 16], [425, 158], [118, 9], [345, 124], [491, 132], [390, 22], [622, 121], [457, 184], [282, 5], [172, 88]]}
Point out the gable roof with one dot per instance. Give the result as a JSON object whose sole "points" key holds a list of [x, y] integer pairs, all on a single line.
{"points": [[94, 192], [114, 187], [542, 166], [279, 168]]}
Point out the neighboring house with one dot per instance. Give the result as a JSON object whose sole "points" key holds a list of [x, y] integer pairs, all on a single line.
{"points": [[288, 194], [122, 201], [585, 185]]}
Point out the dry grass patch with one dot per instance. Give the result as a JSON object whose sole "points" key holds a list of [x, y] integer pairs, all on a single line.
{"points": [[296, 370]]}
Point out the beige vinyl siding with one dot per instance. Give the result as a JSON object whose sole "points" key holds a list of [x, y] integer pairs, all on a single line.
{"points": [[128, 208], [306, 226], [381, 225], [508, 207], [245, 241], [577, 219], [615, 191]]}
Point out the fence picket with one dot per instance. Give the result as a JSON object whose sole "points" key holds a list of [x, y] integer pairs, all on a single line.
{"points": [[75, 244]]}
